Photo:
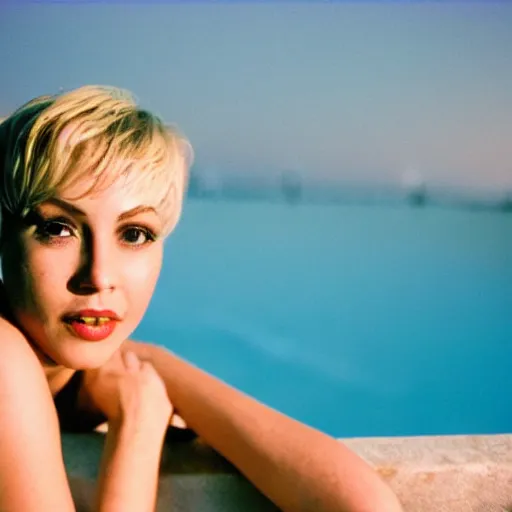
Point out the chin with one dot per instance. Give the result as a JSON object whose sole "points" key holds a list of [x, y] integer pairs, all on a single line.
{"points": [[83, 355]]}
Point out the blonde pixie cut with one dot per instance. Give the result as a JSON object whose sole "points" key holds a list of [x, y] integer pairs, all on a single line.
{"points": [[53, 142]]}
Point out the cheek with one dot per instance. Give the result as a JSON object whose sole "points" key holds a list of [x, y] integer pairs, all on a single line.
{"points": [[33, 276], [43, 277], [141, 275], [50, 264]]}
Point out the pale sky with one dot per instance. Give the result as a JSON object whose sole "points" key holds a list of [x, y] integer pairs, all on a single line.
{"points": [[353, 92]]}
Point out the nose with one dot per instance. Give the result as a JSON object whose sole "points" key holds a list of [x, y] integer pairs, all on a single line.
{"points": [[98, 266]]}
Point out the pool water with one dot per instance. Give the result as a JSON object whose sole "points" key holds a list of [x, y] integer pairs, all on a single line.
{"points": [[359, 320]]}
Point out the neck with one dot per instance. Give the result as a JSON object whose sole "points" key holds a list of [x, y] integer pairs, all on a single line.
{"points": [[56, 374]]}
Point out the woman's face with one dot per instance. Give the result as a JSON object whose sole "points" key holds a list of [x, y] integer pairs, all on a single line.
{"points": [[79, 276]]}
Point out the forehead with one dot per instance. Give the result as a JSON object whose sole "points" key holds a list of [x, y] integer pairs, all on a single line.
{"points": [[127, 176], [111, 197]]}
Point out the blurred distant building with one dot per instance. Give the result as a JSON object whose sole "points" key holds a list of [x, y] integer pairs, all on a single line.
{"points": [[291, 186], [414, 187], [204, 183], [506, 203]]}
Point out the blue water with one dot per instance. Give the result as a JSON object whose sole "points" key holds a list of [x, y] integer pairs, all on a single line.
{"points": [[360, 321]]}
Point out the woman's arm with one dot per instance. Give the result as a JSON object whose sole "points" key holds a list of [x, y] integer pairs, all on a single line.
{"points": [[32, 474], [32, 471], [297, 467], [129, 470]]}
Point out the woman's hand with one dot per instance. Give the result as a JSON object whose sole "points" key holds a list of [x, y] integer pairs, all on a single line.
{"points": [[126, 388], [142, 400]]}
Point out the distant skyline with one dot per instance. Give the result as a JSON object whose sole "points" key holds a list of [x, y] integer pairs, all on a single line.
{"points": [[338, 91]]}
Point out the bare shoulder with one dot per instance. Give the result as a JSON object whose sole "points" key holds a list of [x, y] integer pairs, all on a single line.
{"points": [[24, 390], [23, 386], [32, 475], [16, 354]]}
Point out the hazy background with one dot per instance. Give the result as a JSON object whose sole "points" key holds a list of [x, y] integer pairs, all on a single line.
{"points": [[337, 91], [342, 306]]}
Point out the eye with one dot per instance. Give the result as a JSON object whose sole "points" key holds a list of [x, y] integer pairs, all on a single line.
{"points": [[54, 229], [137, 236]]}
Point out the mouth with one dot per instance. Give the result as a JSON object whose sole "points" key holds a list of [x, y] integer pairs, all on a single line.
{"points": [[90, 320], [91, 325]]}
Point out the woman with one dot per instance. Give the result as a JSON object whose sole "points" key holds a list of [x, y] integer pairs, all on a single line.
{"points": [[91, 187]]}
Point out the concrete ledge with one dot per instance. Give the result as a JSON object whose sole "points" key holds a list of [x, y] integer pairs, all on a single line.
{"points": [[444, 473], [429, 474]]}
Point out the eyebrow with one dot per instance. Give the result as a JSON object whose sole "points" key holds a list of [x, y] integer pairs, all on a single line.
{"points": [[73, 210]]}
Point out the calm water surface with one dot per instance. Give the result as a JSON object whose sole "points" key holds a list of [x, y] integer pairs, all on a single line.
{"points": [[361, 321]]}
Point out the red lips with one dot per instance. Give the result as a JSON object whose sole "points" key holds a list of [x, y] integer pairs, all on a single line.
{"points": [[91, 324], [96, 313]]}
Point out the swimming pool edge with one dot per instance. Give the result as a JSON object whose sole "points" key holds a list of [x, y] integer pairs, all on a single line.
{"points": [[464, 473]]}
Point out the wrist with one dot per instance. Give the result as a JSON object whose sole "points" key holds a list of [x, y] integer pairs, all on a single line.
{"points": [[133, 430]]}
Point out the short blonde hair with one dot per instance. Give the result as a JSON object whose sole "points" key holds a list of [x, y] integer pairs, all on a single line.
{"points": [[52, 142]]}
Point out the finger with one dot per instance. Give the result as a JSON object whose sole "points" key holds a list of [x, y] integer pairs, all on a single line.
{"points": [[131, 361], [147, 367]]}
